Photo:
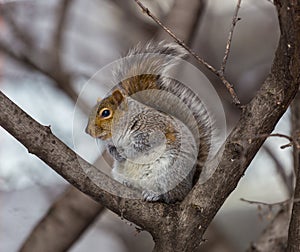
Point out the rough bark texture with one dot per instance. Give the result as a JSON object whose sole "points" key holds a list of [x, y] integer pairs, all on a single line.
{"points": [[294, 229], [180, 227], [258, 118], [47, 239], [39, 140]]}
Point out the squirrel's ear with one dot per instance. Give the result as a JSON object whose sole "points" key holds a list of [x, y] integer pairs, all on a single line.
{"points": [[118, 96], [99, 100]]}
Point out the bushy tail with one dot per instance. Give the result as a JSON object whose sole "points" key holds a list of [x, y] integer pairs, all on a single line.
{"points": [[151, 59], [146, 69]]}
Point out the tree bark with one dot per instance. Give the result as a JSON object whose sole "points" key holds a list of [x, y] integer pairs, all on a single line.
{"points": [[294, 229]]}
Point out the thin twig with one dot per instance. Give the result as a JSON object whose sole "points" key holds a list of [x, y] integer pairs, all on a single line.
{"points": [[291, 143], [228, 44], [281, 203], [199, 59]]}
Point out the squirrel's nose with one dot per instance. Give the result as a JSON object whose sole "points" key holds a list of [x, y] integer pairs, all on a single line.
{"points": [[91, 131], [88, 130]]}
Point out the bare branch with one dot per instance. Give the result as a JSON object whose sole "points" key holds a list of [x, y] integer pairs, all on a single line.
{"points": [[259, 117], [294, 231], [40, 141], [291, 143], [186, 47], [281, 203], [57, 42], [228, 44], [63, 223]]}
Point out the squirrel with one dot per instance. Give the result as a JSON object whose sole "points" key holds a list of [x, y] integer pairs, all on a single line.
{"points": [[156, 129]]}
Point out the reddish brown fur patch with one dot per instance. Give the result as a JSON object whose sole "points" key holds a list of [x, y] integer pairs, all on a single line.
{"points": [[139, 83], [171, 137]]}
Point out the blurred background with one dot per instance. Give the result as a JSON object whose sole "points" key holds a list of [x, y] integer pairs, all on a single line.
{"points": [[43, 71]]}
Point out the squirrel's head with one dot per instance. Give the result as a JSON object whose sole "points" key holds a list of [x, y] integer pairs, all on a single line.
{"points": [[102, 115]]}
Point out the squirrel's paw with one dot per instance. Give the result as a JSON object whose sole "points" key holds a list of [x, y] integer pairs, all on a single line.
{"points": [[126, 183], [115, 154], [151, 196]]}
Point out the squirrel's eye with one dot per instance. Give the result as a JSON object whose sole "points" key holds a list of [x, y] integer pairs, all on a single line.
{"points": [[105, 113]]}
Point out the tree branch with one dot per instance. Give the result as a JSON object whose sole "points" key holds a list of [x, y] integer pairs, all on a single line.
{"points": [[258, 117], [63, 223], [40, 141], [235, 19], [184, 45], [44, 228], [294, 231]]}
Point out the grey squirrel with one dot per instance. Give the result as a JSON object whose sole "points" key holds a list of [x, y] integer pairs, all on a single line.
{"points": [[156, 129]]}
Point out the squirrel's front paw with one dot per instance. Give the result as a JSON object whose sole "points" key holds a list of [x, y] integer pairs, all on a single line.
{"points": [[151, 196], [115, 154]]}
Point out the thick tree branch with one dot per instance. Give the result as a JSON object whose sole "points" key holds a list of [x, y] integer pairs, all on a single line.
{"points": [[54, 235], [294, 231], [40, 141], [44, 228], [258, 117]]}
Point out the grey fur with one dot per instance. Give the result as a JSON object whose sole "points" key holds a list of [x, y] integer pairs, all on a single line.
{"points": [[161, 170], [152, 164]]}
